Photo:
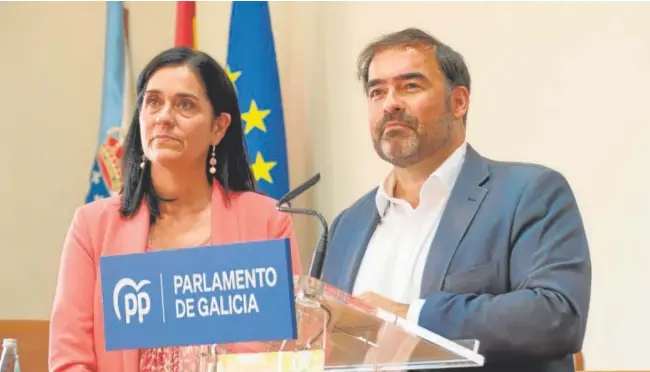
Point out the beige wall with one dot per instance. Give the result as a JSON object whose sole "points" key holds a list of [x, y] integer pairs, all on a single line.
{"points": [[569, 84]]}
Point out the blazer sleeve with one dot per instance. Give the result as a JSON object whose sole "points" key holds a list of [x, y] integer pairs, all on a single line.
{"points": [[71, 323], [545, 314], [282, 227]]}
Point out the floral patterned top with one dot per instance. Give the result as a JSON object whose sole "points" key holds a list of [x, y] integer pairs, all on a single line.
{"points": [[176, 358], [173, 359]]}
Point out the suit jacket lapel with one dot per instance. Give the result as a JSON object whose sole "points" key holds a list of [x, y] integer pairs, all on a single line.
{"points": [[463, 203], [225, 219], [133, 238], [133, 233], [360, 235]]}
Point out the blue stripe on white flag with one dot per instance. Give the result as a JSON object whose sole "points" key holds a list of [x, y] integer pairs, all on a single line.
{"points": [[113, 90], [112, 103]]}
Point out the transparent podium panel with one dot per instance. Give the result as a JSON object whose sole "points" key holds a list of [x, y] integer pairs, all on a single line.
{"points": [[337, 332], [363, 338], [307, 353]]}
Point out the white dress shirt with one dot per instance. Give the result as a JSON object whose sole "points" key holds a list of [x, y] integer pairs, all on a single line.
{"points": [[394, 260]]}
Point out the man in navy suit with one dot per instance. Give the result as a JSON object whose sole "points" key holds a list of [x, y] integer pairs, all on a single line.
{"points": [[465, 246]]}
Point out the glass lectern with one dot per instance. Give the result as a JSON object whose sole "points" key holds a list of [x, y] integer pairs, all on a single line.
{"points": [[337, 332]]}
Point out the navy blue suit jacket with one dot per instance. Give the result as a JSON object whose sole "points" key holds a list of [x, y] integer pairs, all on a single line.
{"points": [[509, 264]]}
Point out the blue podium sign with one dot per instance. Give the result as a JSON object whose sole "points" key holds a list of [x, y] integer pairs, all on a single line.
{"points": [[195, 296]]}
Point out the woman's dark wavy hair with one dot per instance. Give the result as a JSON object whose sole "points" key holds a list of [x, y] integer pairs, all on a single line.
{"points": [[233, 166]]}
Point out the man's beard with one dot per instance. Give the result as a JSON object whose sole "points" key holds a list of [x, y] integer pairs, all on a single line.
{"points": [[408, 146]]}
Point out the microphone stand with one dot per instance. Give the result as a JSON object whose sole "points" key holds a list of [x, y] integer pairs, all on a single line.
{"points": [[317, 261], [316, 267]]}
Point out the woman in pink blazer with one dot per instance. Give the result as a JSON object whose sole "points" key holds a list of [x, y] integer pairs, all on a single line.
{"points": [[187, 182]]}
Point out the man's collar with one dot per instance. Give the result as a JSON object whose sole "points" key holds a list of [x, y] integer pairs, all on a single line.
{"points": [[446, 175]]}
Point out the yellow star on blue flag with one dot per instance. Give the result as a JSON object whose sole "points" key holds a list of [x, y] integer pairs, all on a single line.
{"points": [[254, 118], [252, 67], [232, 75], [262, 168]]}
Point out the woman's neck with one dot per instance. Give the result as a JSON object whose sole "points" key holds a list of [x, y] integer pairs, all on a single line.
{"points": [[188, 189]]}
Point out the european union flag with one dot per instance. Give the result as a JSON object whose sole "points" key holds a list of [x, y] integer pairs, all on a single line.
{"points": [[252, 67]]}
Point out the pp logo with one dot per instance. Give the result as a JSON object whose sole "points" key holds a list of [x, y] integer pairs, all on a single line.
{"points": [[135, 304]]}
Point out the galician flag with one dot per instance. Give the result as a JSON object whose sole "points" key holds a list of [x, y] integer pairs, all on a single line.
{"points": [[118, 102]]}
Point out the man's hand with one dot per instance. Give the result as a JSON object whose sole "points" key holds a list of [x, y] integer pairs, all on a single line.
{"points": [[383, 303]]}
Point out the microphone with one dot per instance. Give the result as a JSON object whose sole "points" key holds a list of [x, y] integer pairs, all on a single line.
{"points": [[316, 267], [292, 194]]}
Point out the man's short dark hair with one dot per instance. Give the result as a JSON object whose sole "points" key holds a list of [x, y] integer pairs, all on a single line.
{"points": [[452, 65]]}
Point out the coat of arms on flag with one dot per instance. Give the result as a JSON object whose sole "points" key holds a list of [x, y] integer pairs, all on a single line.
{"points": [[118, 98]]}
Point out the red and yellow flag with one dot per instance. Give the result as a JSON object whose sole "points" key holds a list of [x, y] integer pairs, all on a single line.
{"points": [[186, 24]]}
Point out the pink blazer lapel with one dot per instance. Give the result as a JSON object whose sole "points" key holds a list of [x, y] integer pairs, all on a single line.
{"points": [[132, 238], [133, 234], [225, 219]]}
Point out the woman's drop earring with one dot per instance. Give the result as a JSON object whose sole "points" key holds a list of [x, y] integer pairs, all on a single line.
{"points": [[213, 161], [143, 162]]}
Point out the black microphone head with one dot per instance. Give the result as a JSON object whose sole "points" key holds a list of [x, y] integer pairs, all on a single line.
{"points": [[292, 194], [316, 266]]}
